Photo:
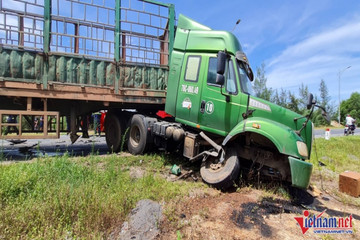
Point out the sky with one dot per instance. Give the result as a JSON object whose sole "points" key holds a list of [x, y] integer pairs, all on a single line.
{"points": [[300, 42]]}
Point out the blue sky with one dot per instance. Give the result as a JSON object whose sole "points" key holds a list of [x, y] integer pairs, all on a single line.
{"points": [[299, 41]]}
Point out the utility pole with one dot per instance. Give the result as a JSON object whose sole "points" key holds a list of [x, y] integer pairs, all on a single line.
{"points": [[339, 75]]}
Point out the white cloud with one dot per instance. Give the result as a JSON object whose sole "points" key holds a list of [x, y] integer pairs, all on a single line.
{"points": [[320, 56]]}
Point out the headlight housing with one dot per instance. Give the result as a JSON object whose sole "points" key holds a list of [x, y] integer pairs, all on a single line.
{"points": [[302, 149]]}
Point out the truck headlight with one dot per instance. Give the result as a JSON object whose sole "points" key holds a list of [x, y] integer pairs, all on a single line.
{"points": [[302, 149]]}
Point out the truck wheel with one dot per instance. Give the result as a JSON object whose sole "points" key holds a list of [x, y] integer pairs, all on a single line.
{"points": [[221, 176], [113, 132], [137, 136]]}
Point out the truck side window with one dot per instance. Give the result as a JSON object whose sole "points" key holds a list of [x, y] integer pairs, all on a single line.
{"points": [[211, 77], [231, 79], [192, 68]]}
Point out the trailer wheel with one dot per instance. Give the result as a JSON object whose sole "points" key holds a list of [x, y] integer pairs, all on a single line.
{"points": [[137, 136], [221, 176], [113, 132]]}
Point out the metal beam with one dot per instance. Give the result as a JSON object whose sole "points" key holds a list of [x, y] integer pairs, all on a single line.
{"points": [[171, 29], [117, 29], [47, 25]]}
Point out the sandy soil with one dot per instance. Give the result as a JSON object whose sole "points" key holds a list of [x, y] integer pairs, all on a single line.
{"points": [[249, 213]]}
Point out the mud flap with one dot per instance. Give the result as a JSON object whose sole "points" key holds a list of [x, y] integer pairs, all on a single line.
{"points": [[300, 172]]}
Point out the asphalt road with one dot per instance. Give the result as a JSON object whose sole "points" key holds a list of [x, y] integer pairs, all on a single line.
{"points": [[333, 132], [31, 148]]}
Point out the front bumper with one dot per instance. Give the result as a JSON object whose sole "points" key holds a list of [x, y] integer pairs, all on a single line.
{"points": [[300, 172]]}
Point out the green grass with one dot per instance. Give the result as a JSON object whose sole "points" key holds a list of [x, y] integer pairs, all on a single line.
{"points": [[82, 198], [339, 153]]}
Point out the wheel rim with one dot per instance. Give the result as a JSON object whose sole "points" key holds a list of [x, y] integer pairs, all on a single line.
{"points": [[135, 136], [214, 165]]}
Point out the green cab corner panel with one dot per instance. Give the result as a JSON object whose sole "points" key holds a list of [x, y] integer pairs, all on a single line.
{"points": [[213, 41], [300, 172], [187, 23], [283, 137]]}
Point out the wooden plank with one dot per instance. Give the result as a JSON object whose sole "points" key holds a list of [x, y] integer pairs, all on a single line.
{"points": [[20, 115]]}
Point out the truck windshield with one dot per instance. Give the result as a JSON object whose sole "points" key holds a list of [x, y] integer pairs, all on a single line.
{"points": [[244, 80]]}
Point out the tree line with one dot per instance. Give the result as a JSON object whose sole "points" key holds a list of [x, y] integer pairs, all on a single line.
{"points": [[297, 102]]}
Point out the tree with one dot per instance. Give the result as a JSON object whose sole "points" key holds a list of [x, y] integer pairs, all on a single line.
{"points": [[259, 87], [293, 103], [351, 106], [324, 94], [324, 101], [303, 98], [281, 98]]}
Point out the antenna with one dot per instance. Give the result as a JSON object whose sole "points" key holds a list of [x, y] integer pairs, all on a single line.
{"points": [[237, 22]]}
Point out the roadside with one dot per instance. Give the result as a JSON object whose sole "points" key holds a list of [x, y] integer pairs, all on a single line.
{"points": [[90, 197]]}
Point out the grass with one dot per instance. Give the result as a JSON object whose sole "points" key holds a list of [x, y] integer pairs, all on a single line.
{"points": [[82, 198], [338, 154]]}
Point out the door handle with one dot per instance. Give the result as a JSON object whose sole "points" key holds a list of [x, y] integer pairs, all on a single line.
{"points": [[202, 106]]}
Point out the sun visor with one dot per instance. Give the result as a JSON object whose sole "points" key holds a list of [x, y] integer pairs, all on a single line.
{"points": [[242, 57]]}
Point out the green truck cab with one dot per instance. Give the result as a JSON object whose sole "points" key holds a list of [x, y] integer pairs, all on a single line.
{"points": [[222, 105]]}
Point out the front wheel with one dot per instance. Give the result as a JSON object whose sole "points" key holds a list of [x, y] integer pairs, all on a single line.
{"points": [[223, 175]]}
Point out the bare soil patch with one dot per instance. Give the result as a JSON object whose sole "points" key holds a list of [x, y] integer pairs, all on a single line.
{"points": [[250, 214]]}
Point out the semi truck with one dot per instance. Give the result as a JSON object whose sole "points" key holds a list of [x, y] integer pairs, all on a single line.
{"points": [[167, 84]]}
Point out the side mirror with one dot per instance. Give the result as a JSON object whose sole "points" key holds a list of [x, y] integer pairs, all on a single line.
{"points": [[221, 62], [250, 73], [220, 79], [310, 101]]}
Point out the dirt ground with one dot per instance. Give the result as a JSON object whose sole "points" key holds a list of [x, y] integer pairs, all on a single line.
{"points": [[250, 213]]}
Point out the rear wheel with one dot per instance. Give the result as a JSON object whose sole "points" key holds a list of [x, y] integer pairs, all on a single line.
{"points": [[223, 175], [137, 136], [113, 132]]}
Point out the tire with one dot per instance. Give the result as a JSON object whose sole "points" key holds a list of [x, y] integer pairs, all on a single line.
{"points": [[113, 132], [224, 176], [137, 142]]}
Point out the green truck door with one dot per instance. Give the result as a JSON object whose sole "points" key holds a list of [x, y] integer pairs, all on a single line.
{"points": [[187, 105], [216, 115]]}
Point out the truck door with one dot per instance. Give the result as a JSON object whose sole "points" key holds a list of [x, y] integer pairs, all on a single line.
{"points": [[188, 99], [215, 112]]}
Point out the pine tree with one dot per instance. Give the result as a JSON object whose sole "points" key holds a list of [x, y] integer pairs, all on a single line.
{"points": [[259, 87], [324, 94], [303, 98]]}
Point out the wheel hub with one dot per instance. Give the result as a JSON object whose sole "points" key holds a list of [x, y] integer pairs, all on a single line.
{"points": [[215, 166]]}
